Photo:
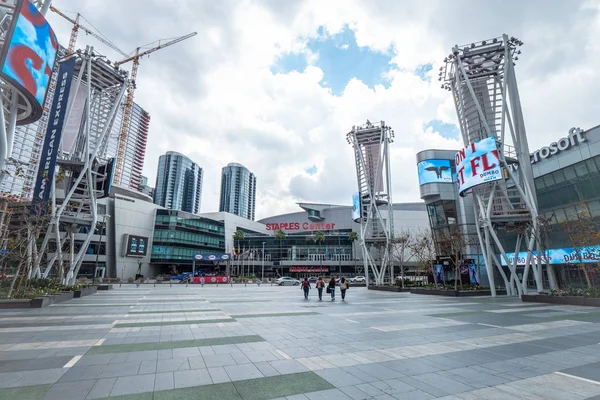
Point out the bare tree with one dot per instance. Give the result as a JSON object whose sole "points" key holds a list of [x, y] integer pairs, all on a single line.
{"points": [[423, 249], [454, 242], [401, 246]]}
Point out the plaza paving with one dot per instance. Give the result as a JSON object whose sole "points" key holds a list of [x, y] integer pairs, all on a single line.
{"points": [[268, 342]]}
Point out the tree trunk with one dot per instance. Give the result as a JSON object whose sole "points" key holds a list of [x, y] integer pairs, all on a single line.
{"points": [[456, 275], [12, 284], [587, 276]]}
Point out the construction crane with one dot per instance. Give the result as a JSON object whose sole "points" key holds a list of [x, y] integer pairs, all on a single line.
{"points": [[129, 101], [77, 26]]}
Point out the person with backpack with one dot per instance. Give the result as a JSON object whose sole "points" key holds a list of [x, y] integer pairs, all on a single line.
{"points": [[331, 288], [320, 285], [344, 285], [306, 287]]}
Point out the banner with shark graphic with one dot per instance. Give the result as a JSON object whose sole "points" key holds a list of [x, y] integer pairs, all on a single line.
{"points": [[434, 171]]}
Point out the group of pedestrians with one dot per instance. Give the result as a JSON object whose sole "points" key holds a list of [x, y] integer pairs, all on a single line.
{"points": [[329, 287]]}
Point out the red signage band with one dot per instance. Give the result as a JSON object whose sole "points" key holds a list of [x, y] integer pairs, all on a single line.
{"points": [[296, 226]]}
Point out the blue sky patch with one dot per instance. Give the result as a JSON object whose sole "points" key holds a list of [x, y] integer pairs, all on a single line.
{"points": [[311, 170], [448, 131], [422, 70], [340, 59]]}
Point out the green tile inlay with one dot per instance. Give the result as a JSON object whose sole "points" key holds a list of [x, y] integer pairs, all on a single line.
{"points": [[220, 391], [281, 386], [583, 316], [251, 389], [171, 300], [178, 344], [456, 314], [175, 311], [274, 315], [167, 323], [24, 392]]}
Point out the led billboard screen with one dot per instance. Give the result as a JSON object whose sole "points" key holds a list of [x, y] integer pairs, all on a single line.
{"points": [[438, 171], [588, 254], [137, 246], [476, 164], [356, 206], [29, 57]]}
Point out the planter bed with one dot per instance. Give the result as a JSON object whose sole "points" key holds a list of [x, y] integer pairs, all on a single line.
{"points": [[38, 302], [104, 287], [85, 291], [390, 288], [457, 293], [567, 300]]}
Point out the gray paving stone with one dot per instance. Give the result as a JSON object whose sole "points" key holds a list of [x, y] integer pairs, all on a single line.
{"points": [[69, 390], [172, 364], [164, 381], [266, 369], [288, 366], [218, 375], [196, 377], [102, 388], [242, 372], [133, 384]]}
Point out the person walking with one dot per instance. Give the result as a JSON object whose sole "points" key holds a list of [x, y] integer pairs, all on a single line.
{"points": [[331, 288], [344, 285], [305, 287], [320, 285], [202, 281]]}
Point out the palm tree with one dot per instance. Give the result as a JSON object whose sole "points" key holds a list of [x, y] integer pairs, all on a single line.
{"points": [[238, 235], [281, 236], [353, 237], [319, 238]]}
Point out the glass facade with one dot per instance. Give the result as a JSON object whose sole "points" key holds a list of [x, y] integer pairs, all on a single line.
{"points": [[178, 236], [178, 183], [238, 191]]}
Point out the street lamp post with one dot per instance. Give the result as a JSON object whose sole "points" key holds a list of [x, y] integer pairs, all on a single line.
{"points": [[104, 217], [262, 275]]}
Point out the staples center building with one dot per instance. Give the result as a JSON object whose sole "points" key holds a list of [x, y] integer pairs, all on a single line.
{"points": [[298, 255], [567, 181]]}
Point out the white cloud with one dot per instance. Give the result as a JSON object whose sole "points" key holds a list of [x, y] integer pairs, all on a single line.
{"points": [[215, 99]]}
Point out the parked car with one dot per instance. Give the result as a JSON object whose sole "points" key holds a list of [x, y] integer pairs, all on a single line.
{"points": [[312, 279], [287, 281], [358, 279]]}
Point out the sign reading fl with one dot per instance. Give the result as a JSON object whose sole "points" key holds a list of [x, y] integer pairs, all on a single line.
{"points": [[297, 226], [476, 164]]}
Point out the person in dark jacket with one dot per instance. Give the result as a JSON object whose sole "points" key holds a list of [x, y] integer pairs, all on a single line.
{"points": [[331, 288]]}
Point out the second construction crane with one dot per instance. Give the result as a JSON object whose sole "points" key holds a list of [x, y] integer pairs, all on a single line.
{"points": [[129, 100]]}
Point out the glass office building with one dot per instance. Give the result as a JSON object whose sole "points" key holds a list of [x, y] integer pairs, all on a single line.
{"points": [[178, 183], [238, 191]]}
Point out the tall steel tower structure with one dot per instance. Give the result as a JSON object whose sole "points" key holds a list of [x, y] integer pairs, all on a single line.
{"points": [[371, 152], [481, 77]]}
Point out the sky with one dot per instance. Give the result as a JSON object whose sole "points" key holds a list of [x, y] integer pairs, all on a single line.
{"points": [[276, 85]]}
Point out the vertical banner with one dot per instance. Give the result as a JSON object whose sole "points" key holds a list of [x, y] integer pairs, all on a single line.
{"points": [[56, 119]]}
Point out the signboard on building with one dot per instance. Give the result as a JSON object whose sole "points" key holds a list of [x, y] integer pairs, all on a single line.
{"points": [[434, 171], [211, 257], [356, 206], [309, 269], [299, 226], [477, 164], [136, 246], [41, 190], [568, 255], [28, 59]]}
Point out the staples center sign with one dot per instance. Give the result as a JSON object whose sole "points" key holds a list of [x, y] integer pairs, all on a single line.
{"points": [[297, 226]]}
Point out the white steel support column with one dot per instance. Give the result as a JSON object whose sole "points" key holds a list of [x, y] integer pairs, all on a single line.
{"points": [[371, 152], [481, 78]]}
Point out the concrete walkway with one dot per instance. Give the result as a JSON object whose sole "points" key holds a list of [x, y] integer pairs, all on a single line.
{"points": [[264, 343]]}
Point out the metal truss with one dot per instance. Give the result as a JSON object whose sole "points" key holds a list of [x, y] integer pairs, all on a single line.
{"points": [[74, 198], [482, 80], [371, 152]]}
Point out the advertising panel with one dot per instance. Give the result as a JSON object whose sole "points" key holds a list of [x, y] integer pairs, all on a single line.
{"points": [[431, 171], [137, 246], [212, 257], [476, 164], [438, 274], [28, 60], [356, 206], [568, 255], [75, 119], [41, 190]]}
